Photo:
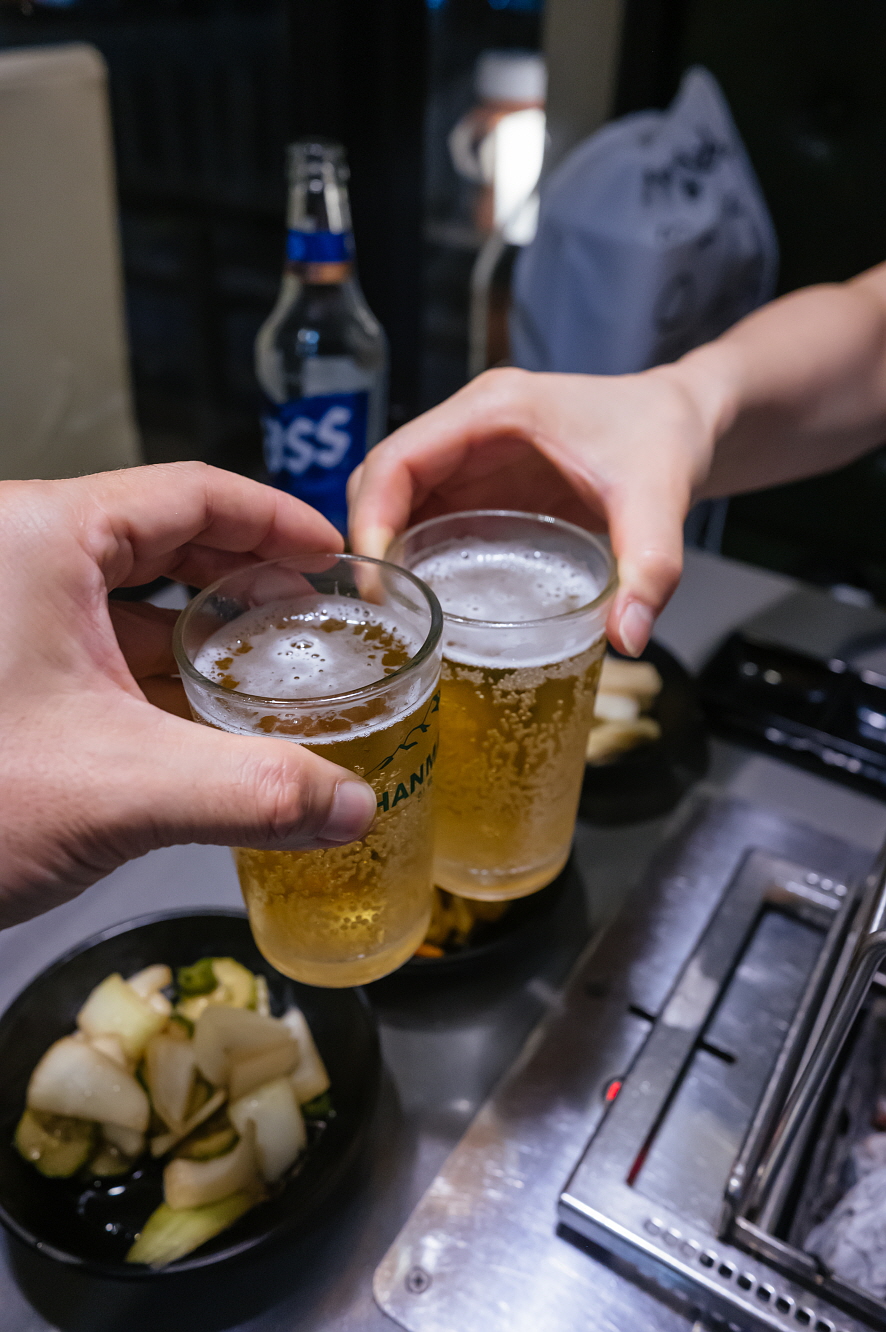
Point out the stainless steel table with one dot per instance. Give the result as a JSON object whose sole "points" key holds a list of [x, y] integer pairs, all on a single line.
{"points": [[444, 1047]]}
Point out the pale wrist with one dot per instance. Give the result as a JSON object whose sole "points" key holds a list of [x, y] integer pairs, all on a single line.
{"points": [[710, 377]]}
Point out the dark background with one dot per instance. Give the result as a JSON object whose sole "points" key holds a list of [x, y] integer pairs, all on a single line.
{"points": [[805, 81], [205, 94]]}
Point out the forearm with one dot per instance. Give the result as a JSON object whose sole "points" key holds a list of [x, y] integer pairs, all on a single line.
{"points": [[797, 388]]}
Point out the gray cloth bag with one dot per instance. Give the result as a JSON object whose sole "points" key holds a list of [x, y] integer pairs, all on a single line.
{"points": [[653, 237]]}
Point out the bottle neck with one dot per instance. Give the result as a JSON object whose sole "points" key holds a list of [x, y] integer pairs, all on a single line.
{"points": [[319, 256], [319, 244], [322, 274]]}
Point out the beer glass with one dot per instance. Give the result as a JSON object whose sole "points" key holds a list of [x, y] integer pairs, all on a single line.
{"points": [[341, 654], [525, 599]]}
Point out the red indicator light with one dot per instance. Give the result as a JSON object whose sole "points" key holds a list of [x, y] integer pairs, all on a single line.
{"points": [[612, 1090]]}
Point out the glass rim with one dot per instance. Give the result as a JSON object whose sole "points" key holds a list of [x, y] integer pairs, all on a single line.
{"points": [[371, 690], [555, 523]]}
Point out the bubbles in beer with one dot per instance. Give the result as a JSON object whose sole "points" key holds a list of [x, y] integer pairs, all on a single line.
{"points": [[320, 646], [492, 580], [516, 707]]}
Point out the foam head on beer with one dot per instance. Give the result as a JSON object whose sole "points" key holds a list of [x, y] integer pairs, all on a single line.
{"points": [[313, 648], [501, 583]]}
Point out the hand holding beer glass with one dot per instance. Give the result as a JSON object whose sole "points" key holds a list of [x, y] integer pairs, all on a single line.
{"points": [[525, 599], [342, 654]]}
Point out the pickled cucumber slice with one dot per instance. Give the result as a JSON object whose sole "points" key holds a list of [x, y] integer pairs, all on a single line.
{"points": [[109, 1161], [219, 980], [165, 1142], [189, 1184], [57, 1145], [168, 1235], [319, 1108], [216, 1139], [199, 978], [237, 980]]}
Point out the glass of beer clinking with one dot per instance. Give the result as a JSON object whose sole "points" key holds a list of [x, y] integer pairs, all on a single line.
{"points": [[340, 654], [525, 600]]}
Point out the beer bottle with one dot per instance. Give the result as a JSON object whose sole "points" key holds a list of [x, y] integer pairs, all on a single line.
{"points": [[321, 355]]}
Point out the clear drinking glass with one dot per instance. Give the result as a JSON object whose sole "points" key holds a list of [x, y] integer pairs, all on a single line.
{"points": [[341, 654], [525, 599]]}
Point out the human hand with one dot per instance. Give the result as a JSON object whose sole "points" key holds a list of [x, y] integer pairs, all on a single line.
{"points": [[611, 453], [91, 774]]}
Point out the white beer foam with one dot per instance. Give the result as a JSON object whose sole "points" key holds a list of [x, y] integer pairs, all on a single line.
{"points": [[492, 580], [301, 660], [496, 581]]}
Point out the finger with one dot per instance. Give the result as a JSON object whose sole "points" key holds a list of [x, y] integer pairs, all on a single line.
{"points": [[144, 633], [191, 783], [147, 521], [369, 534], [398, 474], [646, 530]]}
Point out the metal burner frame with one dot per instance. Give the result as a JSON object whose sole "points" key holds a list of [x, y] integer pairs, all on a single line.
{"points": [[739, 1265]]}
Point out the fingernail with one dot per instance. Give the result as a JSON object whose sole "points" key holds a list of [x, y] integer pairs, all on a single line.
{"points": [[353, 809], [635, 626]]}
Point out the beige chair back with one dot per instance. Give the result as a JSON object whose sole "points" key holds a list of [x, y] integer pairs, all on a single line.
{"points": [[65, 405]]}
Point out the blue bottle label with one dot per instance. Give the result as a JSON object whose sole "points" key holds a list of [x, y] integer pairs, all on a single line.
{"points": [[319, 247], [313, 444]]}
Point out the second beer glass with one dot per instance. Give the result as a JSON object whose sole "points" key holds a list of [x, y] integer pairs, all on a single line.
{"points": [[525, 599], [341, 654]]}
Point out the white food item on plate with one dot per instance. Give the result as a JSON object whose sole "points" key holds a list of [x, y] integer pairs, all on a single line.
{"points": [[280, 1132], [75, 1079], [223, 1034], [615, 707], [115, 1009], [196, 1183], [310, 1078]]}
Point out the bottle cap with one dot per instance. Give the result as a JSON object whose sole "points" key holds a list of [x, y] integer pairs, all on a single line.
{"points": [[511, 76]]}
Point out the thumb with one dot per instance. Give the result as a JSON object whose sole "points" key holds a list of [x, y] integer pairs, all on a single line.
{"points": [[646, 530], [234, 790]]}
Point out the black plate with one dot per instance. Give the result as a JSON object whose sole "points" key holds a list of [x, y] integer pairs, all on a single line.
{"points": [[46, 1214], [497, 939], [648, 781]]}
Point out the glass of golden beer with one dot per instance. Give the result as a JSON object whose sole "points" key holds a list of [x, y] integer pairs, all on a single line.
{"points": [[525, 599], [341, 654]]}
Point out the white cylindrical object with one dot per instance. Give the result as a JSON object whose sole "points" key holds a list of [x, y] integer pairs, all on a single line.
{"points": [[511, 76]]}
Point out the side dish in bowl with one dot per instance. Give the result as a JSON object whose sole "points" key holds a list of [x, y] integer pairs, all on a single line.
{"points": [[190, 1070], [170, 1099], [625, 698]]}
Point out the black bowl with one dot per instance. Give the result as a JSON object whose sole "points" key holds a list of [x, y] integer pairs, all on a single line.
{"points": [[66, 1219], [649, 781], [497, 940]]}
